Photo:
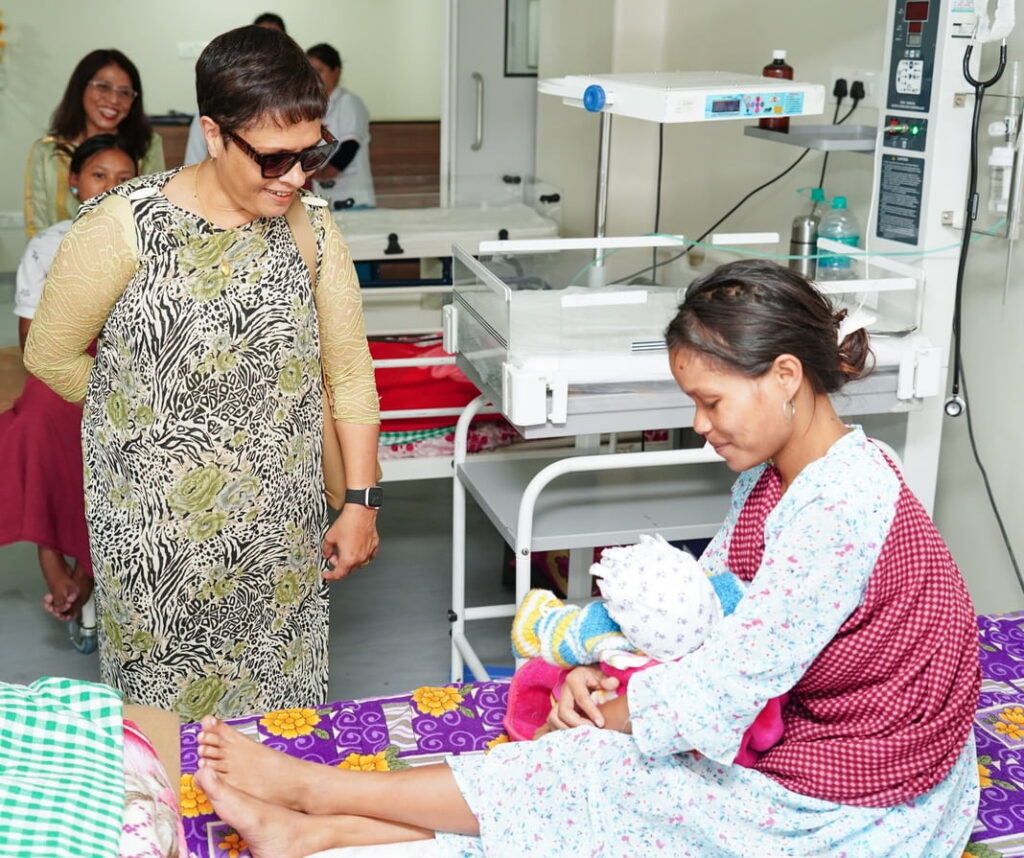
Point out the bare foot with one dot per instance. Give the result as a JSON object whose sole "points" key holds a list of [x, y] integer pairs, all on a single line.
{"points": [[70, 588], [262, 772], [270, 831]]}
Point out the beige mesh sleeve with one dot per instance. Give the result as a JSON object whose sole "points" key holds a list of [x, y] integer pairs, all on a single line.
{"points": [[348, 367], [93, 265]]}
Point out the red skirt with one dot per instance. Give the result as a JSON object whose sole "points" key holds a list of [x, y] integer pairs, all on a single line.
{"points": [[41, 489]]}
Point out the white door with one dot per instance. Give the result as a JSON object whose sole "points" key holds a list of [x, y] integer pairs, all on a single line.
{"points": [[489, 118]]}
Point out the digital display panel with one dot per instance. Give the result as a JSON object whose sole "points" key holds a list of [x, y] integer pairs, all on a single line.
{"points": [[915, 27], [725, 105], [916, 10]]}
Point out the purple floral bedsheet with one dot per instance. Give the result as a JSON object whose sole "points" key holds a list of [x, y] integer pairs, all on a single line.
{"points": [[999, 732], [376, 734], [422, 727]]}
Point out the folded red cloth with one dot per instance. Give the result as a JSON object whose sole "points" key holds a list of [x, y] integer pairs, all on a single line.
{"points": [[405, 388]]}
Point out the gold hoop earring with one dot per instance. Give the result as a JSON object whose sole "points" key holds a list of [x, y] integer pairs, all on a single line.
{"points": [[788, 410]]}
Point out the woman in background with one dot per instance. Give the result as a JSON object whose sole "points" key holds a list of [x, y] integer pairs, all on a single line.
{"points": [[103, 96], [41, 494], [203, 423]]}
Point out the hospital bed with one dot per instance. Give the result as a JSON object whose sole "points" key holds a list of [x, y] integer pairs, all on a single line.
{"points": [[426, 724]]}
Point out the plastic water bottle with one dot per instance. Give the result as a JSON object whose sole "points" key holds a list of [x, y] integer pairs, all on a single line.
{"points": [[839, 224]]}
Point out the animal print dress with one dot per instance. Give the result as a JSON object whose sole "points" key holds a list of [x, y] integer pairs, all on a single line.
{"points": [[202, 436]]}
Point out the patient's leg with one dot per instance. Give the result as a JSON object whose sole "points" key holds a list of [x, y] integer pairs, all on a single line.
{"points": [[272, 831], [426, 796]]}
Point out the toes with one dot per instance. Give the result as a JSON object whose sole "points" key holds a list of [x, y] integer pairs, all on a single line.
{"points": [[208, 781]]}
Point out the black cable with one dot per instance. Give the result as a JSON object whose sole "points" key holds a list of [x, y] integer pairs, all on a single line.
{"points": [[846, 115], [988, 487], [657, 199], [824, 161], [710, 229]]}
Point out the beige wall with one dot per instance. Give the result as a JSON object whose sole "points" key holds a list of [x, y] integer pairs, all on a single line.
{"points": [[707, 168], [391, 51]]}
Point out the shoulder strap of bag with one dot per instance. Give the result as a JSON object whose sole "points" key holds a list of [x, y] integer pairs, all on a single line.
{"points": [[302, 233]]}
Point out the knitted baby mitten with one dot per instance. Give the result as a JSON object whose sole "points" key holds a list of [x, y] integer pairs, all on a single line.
{"points": [[562, 634]]}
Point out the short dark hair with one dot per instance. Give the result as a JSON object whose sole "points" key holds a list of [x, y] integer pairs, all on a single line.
{"points": [[745, 314], [251, 73], [270, 18], [68, 120], [95, 144], [326, 54]]}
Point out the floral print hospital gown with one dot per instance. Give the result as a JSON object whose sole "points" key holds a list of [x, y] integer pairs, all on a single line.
{"points": [[202, 433], [589, 792]]}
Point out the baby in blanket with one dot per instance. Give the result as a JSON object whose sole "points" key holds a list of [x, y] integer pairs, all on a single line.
{"points": [[658, 606]]}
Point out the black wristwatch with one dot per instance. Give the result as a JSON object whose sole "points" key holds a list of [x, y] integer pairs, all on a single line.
{"points": [[372, 497]]}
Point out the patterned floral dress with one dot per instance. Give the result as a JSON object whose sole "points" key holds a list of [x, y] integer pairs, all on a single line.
{"points": [[202, 437]]}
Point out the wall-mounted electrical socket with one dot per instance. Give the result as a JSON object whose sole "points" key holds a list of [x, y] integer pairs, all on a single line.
{"points": [[872, 80]]}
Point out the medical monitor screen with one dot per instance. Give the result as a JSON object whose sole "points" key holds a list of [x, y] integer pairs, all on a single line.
{"points": [[916, 10], [728, 105]]}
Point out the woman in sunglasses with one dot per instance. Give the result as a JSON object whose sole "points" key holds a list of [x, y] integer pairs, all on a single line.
{"points": [[203, 422], [103, 96]]}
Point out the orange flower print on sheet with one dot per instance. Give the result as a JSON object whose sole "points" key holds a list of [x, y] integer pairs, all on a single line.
{"points": [[500, 739], [383, 761], [980, 850], [988, 775], [431, 700], [1010, 723], [193, 800], [291, 723], [984, 775], [233, 844], [365, 762]]}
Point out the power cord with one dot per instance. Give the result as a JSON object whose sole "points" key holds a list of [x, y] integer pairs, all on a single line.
{"points": [[840, 92], [657, 199], [988, 487]]}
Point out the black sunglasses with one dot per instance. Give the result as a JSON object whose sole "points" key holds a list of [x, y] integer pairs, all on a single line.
{"points": [[275, 164]]}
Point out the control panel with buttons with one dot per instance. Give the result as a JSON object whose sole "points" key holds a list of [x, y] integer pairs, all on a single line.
{"points": [[905, 132]]}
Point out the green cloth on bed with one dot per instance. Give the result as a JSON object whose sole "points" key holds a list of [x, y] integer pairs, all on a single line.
{"points": [[61, 769]]}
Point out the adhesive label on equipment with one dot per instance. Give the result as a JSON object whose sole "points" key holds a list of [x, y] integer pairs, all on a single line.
{"points": [[604, 299], [899, 198]]}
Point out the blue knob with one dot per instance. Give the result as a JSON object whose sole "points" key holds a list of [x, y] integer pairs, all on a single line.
{"points": [[594, 98]]}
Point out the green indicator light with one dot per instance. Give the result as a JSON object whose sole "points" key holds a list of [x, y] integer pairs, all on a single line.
{"points": [[915, 129]]}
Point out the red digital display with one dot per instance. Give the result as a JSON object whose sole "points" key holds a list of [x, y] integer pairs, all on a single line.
{"points": [[916, 10], [915, 27]]}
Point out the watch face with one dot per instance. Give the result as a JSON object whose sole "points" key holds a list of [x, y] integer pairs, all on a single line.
{"points": [[374, 497]]}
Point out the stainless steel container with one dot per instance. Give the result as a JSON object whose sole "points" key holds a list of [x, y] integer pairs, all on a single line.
{"points": [[803, 245]]}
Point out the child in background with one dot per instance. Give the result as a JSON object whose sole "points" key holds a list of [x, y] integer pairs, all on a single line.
{"points": [[41, 494]]}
